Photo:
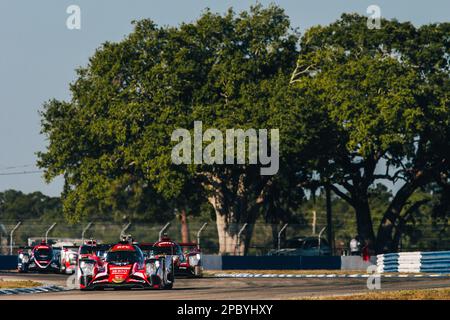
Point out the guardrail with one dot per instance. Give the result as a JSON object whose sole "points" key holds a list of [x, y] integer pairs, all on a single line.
{"points": [[8, 262], [414, 262], [216, 262]]}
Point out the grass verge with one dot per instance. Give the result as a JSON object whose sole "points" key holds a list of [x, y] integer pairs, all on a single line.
{"points": [[422, 294]]}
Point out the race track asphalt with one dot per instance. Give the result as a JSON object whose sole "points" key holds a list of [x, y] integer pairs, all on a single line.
{"points": [[227, 288]]}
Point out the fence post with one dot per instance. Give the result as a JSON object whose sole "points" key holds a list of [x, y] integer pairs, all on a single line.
{"points": [[314, 222], [84, 231], [125, 228], [238, 242], [163, 229], [199, 232], [48, 230], [11, 237], [279, 235], [320, 236]]}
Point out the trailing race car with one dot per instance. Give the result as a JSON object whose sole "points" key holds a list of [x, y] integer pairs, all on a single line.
{"points": [[187, 262], [68, 257], [126, 267], [40, 258], [94, 251]]}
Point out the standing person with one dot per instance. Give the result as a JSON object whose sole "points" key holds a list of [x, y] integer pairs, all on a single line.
{"points": [[365, 251], [355, 246]]}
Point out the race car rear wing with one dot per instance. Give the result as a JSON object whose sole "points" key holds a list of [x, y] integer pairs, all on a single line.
{"points": [[26, 248], [150, 249], [67, 247], [188, 244]]}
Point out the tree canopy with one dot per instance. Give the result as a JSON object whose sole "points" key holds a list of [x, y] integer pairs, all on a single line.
{"points": [[346, 100], [385, 94], [228, 71]]}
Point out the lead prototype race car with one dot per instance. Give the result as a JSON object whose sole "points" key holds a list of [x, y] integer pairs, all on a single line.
{"points": [[125, 267]]}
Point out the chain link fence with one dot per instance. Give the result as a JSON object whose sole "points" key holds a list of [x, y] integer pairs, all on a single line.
{"points": [[264, 237]]}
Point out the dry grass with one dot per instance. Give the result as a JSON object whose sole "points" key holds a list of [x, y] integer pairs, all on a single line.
{"points": [[423, 294], [9, 284]]}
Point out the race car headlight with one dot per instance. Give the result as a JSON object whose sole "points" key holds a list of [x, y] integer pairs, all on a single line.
{"points": [[24, 258], [152, 267], [193, 260], [87, 268]]}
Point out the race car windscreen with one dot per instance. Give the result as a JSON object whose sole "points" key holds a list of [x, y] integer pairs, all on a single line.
{"points": [[43, 254], [128, 257], [87, 250]]}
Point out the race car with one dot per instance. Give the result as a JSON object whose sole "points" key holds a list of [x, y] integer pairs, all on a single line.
{"points": [[93, 250], [40, 258], [187, 262], [126, 267], [68, 257]]}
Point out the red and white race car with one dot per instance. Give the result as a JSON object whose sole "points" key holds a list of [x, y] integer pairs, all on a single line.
{"points": [[93, 251], [40, 258], [68, 259], [187, 258], [126, 267]]}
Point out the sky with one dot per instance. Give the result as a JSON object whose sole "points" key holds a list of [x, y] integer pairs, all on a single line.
{"points": [[38, 56]]}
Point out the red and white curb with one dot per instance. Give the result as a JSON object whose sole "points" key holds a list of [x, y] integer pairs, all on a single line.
{"points": [[257, 275], [42, 289]]}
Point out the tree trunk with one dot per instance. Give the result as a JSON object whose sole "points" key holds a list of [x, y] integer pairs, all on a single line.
{"points": [[227, 228], [385, 239], [364, 221], [232, 210], [184, 226], [229, 244]]}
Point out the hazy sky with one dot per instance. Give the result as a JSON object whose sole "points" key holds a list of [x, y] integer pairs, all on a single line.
{"points": [[38, 55]]}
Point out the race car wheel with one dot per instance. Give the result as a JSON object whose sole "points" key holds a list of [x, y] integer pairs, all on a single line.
{"points": [[198, 271], [168, 286], [84, 281]]}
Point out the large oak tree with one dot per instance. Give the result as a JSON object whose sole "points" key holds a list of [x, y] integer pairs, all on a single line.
{"points": [[114, 136], [385, 94]]}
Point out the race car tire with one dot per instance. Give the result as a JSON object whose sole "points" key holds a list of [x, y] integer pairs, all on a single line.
{"points": [[168, 286], [198, 272]]}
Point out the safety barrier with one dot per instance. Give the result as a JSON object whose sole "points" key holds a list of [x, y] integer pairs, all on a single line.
{"points": [[8, 262], [216, 262], [211, 262], [414, 262]]}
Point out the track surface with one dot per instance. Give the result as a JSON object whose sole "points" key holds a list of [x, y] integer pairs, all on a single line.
{"points": [[226, 288]]}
